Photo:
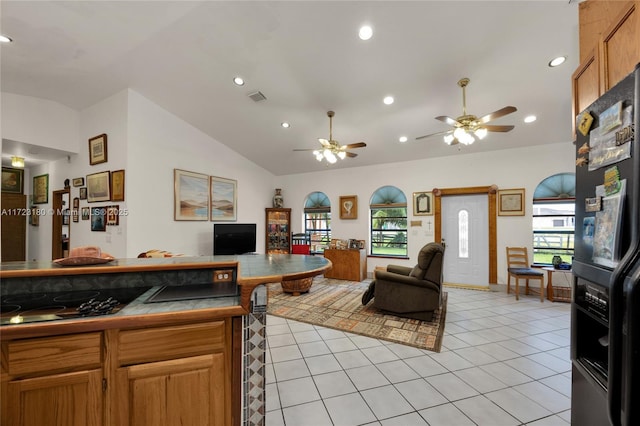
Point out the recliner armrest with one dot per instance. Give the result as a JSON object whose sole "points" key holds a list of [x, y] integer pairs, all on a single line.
{"points": [[398, 269]]}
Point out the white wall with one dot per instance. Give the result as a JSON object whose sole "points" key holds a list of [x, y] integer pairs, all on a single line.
{"points": [[159, 142], [515, 168], [39, 122], [108, 116]]}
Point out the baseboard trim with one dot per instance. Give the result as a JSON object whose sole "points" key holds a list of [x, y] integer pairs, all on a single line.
{"points": [[469, 286]]}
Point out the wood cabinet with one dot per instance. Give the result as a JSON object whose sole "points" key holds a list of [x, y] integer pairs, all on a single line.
{"points": [[53, 381], [170, 375], [609, 49], [278, 231], [174, 375], [347, 264], [69, 399], [186, 391]]}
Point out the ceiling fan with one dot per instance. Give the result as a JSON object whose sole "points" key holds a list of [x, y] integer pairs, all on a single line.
{"points": [[331, 149], [467, 126]]}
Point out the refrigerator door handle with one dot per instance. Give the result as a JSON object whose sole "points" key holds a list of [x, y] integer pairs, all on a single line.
{"points": [[631, 413]]}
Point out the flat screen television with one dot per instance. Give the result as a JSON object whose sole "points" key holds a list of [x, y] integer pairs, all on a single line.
{"points": [[234, 238]]}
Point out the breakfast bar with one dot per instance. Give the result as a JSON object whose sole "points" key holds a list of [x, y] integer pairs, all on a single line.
{"points": [[187, 349]]}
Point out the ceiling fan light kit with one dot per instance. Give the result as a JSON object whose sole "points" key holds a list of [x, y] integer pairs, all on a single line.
{"points": [[468, 127], [331, 149]]}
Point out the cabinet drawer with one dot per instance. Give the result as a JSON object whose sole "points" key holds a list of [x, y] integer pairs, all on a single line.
{"points": [[162, 343], [49, 354]]}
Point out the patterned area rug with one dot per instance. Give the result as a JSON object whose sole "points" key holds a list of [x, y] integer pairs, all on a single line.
{"points": [[337, 304]]}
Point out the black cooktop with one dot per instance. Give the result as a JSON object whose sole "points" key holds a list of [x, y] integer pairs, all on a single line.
{"points": [[49, 306]]}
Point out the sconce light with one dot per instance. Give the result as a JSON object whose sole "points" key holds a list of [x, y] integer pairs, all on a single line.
{"points": [[17, 161]]}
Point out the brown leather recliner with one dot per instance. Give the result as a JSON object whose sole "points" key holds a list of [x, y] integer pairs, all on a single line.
{"points": [[410, 292]]}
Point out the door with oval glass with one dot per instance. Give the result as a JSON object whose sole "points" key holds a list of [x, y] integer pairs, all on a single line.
{"points": [[465, 233]]}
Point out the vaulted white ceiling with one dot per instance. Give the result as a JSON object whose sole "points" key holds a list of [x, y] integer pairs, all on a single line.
{"points": [[306, 58]]}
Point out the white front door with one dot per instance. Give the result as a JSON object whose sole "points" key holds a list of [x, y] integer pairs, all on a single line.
{"points": [[465, 232]]}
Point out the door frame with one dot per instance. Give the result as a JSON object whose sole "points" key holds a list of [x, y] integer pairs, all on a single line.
{"points": [[56, 226], [491, 192]]}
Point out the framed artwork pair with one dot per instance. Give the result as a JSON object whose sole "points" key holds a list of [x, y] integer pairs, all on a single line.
{"points": [[104, 186], [198, 197]]}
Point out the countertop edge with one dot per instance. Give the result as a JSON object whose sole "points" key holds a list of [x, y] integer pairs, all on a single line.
{"points": [[102, 323]]}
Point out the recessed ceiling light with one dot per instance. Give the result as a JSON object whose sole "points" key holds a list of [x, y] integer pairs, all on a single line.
{"points": [[557, 61], [365, 33], [530, 118], [5, 39], [238, 81], [388, 100], [403, 139], [285, 124]]}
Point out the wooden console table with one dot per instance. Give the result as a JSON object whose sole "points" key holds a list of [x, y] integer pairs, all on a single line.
{"points": [[348, 264]]}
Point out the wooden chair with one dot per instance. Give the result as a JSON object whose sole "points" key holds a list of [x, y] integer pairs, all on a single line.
{"points": [[518, 268]]}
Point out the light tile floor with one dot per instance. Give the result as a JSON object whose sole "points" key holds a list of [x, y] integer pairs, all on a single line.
{"points": [[503, 362]]}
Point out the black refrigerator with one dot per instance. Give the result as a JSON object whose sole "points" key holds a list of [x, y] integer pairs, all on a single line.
{"points": [[605, 311]]}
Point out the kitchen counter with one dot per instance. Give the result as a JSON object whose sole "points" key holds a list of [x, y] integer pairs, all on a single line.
{"points": [[118, 362], [252, 271], [252, 266]]}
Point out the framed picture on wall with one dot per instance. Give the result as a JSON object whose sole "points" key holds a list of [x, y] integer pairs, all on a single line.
{"points": [[85, 213], [98, 220], [78, 182], [511, 202], [348, 207], [98, 187], [113, 218], [13, 180], [190, 196], [41, 189], [223, 199], [83, 193], [422, 203], [34, 217], [117, 185], [98, 149]]}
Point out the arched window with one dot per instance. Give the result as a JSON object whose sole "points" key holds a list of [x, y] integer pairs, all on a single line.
{"points": [[554, 218], [388, 215], [317, 221]]}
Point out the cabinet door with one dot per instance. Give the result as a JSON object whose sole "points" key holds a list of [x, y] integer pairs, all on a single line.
{"points": [[586, 85], [620, 47], [70, 399], [188, 392]]}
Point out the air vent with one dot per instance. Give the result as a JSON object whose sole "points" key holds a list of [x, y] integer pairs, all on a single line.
{"points": [[257, 96]]}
